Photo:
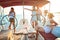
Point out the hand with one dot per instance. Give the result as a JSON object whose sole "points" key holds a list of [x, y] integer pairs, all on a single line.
{"points": [[53, 24]]}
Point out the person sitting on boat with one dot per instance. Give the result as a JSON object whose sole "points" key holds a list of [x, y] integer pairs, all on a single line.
{"points": [[11, 18], [49, 27]]}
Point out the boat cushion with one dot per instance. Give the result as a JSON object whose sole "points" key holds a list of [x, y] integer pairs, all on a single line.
{"points": [[56, 31], [48, 36]]}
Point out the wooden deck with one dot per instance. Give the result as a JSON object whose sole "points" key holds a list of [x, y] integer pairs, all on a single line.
{"points": [[19, 37]]}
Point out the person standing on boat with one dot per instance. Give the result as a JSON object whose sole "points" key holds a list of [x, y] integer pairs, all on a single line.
{"points": [[34, 17], [11, 18]]}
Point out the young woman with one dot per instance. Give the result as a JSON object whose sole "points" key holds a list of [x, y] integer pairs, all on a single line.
{"points": [[49, 27], [35, 15], [11, 18]]}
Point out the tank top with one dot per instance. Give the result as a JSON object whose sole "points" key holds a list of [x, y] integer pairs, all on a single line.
{"points": [[11, 15], [34, 17]]}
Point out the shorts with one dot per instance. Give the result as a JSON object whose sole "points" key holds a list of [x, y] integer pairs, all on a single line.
{"points": [[11, 20]]}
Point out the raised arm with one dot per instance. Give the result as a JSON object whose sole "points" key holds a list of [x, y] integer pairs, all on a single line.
{"points": [[28, 9]]}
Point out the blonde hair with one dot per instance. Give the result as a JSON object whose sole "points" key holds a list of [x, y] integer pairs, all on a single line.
{"points": [[50, 15]]}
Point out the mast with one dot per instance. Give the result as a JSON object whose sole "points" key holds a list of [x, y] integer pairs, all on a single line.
{"points": [[23, 12], [23, 9]]}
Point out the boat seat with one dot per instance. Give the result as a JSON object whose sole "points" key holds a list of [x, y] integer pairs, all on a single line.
{"points": [[48, 36]]}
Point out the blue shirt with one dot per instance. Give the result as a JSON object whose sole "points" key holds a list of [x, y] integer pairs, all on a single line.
{"points": [[47, 29], [11, 15]]}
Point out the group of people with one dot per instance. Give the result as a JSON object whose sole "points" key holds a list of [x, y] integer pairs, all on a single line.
{"points": [[12, 16], [50, 24]]}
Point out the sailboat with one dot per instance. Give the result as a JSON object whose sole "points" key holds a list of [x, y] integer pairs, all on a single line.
{"points": [[23, 34]]}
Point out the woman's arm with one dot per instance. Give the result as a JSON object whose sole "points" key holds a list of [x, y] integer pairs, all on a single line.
{"points": [[53, 23], [14, 14], [9, 14], [28, 9]]}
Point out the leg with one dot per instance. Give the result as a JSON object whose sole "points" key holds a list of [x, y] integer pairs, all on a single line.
{"points": [[10, 26], [36, 35], [41, 29], [38, 28], [37, 31], [10, 23], [14, 26], [34, 23]]}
